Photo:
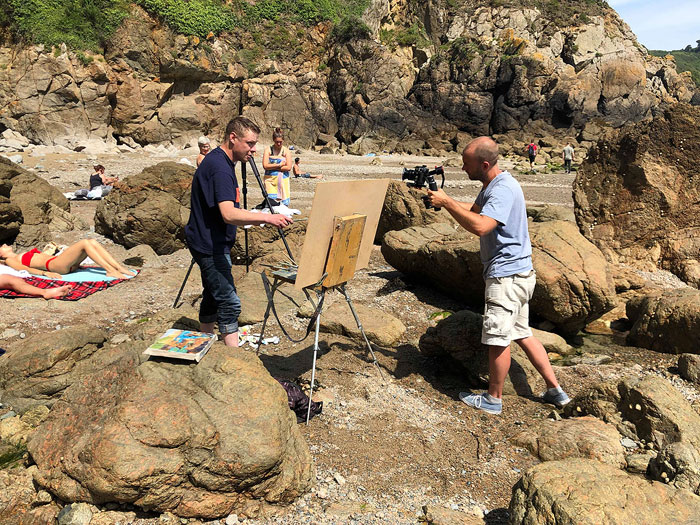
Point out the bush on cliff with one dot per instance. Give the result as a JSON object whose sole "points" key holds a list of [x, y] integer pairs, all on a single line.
{"points": [[80, 24], [88, 24]]}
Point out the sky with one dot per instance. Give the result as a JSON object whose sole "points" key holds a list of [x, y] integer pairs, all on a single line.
{"points": [[661, 24]]}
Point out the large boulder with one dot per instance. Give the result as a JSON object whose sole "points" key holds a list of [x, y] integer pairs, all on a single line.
{"points": [[31, 210], [668, 322], [585, 491], [574, 284], [459, 336], [10, 220], [37, 370], [584, 437], [637, 195], [380, 327], [149, 208], [677, 464], [441, 255], [202, 440], [265, 244], [647, 408], [403, 208]]}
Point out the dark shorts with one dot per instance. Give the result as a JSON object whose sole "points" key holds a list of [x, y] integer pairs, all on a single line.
{"points": [[220, 302], [532, 158]]}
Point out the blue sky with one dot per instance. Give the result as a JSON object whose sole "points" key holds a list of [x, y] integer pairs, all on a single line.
{"points": [[661, 24]]}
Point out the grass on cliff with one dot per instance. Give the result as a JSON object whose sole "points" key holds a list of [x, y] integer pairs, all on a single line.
{"points": [[88, 24]]}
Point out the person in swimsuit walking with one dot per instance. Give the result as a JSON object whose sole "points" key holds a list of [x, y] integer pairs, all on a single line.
{"points": [[38, 263], [277, 162]]}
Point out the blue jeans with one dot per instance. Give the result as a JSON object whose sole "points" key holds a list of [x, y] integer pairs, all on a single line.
{"points": [[220, 302]]}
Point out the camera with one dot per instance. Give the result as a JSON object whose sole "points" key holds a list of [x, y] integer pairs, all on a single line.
{"points": [[421, 175]]}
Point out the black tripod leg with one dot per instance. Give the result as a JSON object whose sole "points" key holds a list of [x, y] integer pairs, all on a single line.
{"points": [[245, 207], [254, 167], [184, 282]]}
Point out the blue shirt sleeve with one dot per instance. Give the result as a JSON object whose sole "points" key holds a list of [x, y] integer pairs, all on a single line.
{"points": [[222, 188], [498, 204]]}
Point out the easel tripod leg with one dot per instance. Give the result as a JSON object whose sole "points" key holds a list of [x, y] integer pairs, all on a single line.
{"points": [[184, 282], [362, 330], [313, 366]]}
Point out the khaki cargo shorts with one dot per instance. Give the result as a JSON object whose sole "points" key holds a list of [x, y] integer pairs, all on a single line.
{"points": [[506, 315]]}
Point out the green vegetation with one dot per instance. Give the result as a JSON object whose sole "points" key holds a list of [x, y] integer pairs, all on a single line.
{"points": [[80, 24], [408, 36], [88, 24], [686, 60], [11, 455], [349, 28], [193, 17]]}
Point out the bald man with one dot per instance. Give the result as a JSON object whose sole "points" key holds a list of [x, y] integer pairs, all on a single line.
{"points": [[499, 218]]}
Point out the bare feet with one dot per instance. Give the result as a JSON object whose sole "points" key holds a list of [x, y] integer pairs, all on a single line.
{"points": [[58, 292]]}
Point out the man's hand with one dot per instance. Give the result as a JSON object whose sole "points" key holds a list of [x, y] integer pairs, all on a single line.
{"points": [[438, 198], [279, 220]]}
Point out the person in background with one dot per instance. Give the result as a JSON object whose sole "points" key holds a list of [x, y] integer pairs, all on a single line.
{"points": [[277, 162], [567, 156], [498, 217], [296, 169], [99, 178], [204, 147], [531, 152]]}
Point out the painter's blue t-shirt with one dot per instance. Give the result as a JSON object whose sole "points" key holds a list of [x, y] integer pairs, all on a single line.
{"points": [[506, 250], [214, 182]]}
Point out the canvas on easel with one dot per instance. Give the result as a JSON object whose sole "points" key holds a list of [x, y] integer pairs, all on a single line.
{"points": [[331, 201]]}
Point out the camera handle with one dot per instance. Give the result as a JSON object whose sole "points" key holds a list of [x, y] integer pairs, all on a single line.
{"points": [[432, 186]]}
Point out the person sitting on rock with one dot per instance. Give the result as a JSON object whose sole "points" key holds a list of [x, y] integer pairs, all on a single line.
{"points": [[100, 180], [38, 263], [204, 148], [19, 285], [296, 169]]}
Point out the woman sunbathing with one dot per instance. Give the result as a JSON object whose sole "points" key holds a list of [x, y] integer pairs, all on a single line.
{"points": [[19, 285], [67, 261]]}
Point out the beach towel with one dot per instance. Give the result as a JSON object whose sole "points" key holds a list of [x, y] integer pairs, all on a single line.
{"points": [[80, 289]]}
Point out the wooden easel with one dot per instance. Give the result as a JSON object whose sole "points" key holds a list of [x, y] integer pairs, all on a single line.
{"points": [[341, 262]]}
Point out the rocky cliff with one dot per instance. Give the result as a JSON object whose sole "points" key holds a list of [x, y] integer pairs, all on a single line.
{"points": [[429, 76]]}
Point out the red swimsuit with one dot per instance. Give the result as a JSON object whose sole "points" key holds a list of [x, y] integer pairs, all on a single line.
{"points": [[27, 258]]}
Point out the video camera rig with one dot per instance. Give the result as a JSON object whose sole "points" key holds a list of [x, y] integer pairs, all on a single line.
{"points": [[421, 175]]}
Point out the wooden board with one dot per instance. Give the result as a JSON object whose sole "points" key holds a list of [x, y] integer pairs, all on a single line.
{"points": [[345, 245], [339, 199]]}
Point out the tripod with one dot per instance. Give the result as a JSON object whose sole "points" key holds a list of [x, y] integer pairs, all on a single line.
{"points": [[268, 203]]}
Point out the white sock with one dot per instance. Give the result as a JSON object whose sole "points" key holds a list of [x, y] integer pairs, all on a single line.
{"points": [[492, 399], [555, 390]]}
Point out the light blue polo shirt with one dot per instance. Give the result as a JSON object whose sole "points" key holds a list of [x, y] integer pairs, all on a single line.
{"points": [[506, 250]]}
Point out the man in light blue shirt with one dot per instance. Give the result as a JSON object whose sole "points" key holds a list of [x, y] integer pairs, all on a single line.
{"points": [[499, 218]]}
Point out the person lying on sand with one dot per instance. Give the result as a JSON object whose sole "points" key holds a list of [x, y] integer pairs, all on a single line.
{"points": [[38, 263], [19, 285]]}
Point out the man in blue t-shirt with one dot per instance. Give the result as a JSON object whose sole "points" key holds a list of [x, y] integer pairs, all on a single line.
{"points": [[499, 218], [211, 230]]}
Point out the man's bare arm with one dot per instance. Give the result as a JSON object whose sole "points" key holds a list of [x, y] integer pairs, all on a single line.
{"points": [[239, 217], [467, 215]]}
